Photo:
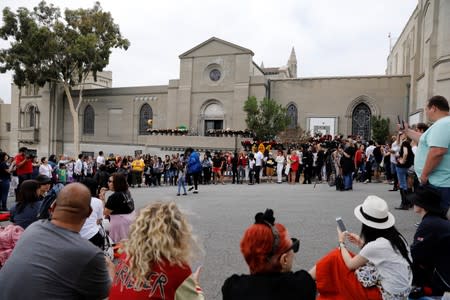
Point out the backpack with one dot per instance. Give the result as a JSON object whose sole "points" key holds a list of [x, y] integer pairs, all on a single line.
{"points": [[49, 198]]}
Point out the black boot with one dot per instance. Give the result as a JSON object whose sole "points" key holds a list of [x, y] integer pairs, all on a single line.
{"points": [[403, 205]]}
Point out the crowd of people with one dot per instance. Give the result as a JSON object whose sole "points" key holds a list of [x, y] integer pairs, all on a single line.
{"points": [[59, 237]]}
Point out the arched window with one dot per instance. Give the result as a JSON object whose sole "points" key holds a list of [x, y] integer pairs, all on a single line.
{"points": [[361, 121], [293, 116], [31, 112], [32, 116], [145, 114], [88, 120]]}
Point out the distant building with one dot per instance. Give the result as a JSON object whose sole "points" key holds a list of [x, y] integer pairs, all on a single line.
{"points": [[216, 78]]}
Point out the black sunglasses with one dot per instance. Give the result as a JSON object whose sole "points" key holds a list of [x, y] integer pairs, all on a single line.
{"points": [[295, 246]]}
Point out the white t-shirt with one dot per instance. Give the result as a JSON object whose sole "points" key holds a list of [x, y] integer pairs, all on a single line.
{"points": [[394, 270], [90, 227], [45, 170], [369, 151], [100, 160], [258, 158], [396, 149]]}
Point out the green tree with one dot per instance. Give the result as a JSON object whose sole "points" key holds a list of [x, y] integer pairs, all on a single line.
{"points": [[380, 129], [47, 47], [265, 118]]}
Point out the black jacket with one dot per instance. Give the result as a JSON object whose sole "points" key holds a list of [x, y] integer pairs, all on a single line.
{"points": [[273, 286], [431, 252]]}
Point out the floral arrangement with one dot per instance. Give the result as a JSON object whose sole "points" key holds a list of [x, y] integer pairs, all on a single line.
{"points": [[229, 132], [168, 131]]}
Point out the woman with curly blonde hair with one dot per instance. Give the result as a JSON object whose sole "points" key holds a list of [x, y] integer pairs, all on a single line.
{"points": [[155, 260]]}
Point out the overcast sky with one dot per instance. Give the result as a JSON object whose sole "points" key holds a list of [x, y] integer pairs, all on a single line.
{"points": [[331, 38]]}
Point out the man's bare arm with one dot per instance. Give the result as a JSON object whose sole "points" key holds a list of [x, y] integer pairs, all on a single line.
{"points": [[434, 158]]}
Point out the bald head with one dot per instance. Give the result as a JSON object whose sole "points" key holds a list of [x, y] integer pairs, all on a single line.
{"points": [[73, 204]]}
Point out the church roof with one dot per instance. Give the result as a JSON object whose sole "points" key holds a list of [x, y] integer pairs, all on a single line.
{"points": [[229, 46], [271, 70]]}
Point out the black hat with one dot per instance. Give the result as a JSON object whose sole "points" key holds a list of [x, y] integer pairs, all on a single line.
{"points": [[43, 179], [428, 198]]}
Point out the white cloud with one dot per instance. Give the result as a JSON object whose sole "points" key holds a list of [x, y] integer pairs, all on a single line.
{"points": [[347, 37]]}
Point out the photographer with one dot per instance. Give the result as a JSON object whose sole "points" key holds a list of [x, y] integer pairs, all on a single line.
{"points": [[24, 165]]}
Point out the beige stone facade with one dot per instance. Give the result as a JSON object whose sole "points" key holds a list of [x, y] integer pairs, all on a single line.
{"points": [[216, 78], [423, 52]]}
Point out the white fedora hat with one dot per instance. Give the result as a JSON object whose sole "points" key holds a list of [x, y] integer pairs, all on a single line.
{"points": [[374, 213]]}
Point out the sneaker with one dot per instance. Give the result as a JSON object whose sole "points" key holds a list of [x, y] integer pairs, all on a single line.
{"points": [[417, 224], [366, 181], [184, 194], [191, 188], [178, 194], [195, 192]]}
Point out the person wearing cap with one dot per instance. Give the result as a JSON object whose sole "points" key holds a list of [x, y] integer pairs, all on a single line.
{"points": [[269, 252], [431, 246], [381, 270]]}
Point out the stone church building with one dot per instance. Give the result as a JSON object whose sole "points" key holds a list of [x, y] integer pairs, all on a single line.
{"points": [[216, 78]]}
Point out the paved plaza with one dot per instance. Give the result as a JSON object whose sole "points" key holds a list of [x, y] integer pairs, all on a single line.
{"points": [[220, 214]]}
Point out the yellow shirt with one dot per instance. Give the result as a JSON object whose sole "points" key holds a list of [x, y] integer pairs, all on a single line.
{"points": [[138, 165]]}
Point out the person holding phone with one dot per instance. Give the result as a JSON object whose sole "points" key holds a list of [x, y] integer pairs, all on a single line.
{"points": [[381, 270]]}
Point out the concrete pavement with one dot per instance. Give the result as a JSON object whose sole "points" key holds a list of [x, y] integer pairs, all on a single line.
{"points": [[219, 215]]}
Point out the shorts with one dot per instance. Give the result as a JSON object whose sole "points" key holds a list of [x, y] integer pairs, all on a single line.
{"points": [[216, 170]]}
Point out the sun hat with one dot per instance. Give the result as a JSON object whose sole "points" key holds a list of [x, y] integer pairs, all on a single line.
{"points": [[374, 213], [428, 198]]}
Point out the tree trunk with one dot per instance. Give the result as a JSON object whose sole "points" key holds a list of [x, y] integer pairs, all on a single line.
{"points": [[74, 113]]}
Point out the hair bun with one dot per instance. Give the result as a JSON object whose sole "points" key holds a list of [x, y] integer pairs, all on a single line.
{"points": [[266, 217]]}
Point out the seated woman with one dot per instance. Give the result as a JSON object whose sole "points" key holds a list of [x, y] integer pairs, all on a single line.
{"points": [[119, 207], [269, 253], [381, 270], [431, 247], [155, 260], [27, 204]]}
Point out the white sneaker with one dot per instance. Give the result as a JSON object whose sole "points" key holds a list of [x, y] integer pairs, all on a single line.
{"points": [[366, 181]]}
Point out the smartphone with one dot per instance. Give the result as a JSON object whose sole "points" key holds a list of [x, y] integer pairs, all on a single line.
{"points": [[401, 122], [341, 224]]}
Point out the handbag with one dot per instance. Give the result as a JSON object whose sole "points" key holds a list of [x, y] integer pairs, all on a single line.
{"points": [[128, 201], [108, 243]]}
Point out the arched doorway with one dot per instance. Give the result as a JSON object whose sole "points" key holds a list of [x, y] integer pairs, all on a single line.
{"points": [[361, 121], [213, 116]]}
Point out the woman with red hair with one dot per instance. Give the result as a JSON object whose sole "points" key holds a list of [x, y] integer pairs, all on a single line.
{"points": [[269, 253]]}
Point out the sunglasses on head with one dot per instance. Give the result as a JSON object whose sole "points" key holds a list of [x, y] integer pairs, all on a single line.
{"points": [[295, 246]]}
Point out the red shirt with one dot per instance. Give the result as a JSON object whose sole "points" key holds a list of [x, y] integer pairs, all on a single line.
{"points": [[26, 168], [294, 162], [162, 283]]}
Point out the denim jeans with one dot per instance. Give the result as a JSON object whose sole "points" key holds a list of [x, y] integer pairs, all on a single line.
{"points": [[348, 181], [402, 174]]}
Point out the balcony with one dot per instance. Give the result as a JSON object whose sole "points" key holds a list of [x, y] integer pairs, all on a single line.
{"points": [[28, 135]]}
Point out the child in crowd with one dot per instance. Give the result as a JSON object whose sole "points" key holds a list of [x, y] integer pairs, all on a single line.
{"points": [[181, 177], [62, 174]]}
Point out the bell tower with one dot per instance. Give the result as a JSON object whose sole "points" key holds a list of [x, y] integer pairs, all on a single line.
{"points": [[292, 64]]}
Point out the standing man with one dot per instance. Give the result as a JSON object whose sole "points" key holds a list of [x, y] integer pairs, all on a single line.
{"points": [[259, 156], [100, 160], [79, 171], [53, 261], [194, 167], [432, 159], [137, 168], [24, 165]]}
